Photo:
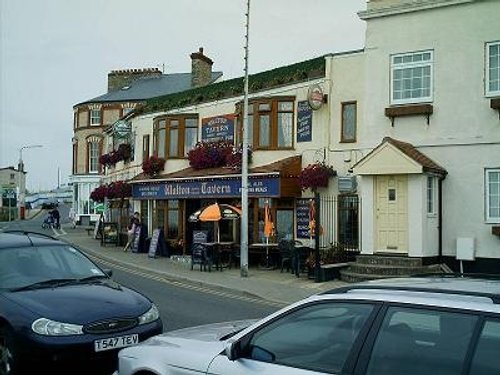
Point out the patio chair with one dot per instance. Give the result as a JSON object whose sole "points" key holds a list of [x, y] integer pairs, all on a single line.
{"points": [[200, 255], [285, 248]]}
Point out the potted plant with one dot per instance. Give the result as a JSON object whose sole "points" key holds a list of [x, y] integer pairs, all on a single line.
{"points": [[153, 165], [315, 175]]}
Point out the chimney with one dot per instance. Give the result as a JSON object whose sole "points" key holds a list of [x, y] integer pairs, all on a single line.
{"points": [[117, 79], [201, 69]]}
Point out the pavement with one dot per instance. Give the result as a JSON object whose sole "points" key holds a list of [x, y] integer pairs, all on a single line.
{"points": [[268, 285]]}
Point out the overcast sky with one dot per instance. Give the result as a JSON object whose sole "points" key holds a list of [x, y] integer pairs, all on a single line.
{"points": [[57, 53]]}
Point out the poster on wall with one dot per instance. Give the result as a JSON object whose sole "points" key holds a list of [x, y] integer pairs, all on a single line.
{"points": [[302, 217], [304, 122], [218, 128]]}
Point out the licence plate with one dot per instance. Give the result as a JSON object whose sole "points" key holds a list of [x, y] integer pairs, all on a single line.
{"points": [[116, 342]]}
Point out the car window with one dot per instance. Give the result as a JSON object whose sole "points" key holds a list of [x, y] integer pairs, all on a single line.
{"points": [[486, 359], [420, 341], [317, 337], [28, 265]]}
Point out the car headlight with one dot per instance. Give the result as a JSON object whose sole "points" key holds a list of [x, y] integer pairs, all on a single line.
{"points": [[49, 327], [149, 316]]}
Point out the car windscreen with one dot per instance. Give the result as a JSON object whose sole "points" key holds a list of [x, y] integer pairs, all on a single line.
{"points": [[45, 266]]}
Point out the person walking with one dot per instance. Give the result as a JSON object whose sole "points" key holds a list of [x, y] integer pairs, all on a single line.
{"points": [[57, 217], [131, 229]]}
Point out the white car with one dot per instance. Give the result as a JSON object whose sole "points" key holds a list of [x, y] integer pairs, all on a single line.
{"points": [[432, 325]]}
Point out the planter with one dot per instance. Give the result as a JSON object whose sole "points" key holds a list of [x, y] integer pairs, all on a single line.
{"points": [[328, 272]]}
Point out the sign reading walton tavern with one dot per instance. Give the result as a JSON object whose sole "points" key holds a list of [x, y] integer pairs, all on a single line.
{"points": [[208, 188], [218, 128]]}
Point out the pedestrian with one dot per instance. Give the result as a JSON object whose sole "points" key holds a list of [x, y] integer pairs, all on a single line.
{"points": [[57, 217], [132, 226]]}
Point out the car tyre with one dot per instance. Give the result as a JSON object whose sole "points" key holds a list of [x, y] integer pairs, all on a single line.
{"points": [[8, 358]]}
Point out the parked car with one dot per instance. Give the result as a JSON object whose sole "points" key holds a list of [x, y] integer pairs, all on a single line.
{"points": [[49, 205], [58, 308], [434, 325]]}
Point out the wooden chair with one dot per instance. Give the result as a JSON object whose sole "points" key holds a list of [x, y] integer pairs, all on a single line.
{"points": [[200, 255]]}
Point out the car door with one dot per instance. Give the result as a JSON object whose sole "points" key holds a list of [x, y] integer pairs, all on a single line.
{"points": [[316, 338]]}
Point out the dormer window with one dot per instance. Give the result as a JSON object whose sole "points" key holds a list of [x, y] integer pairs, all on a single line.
{"points": [[411, 77]]}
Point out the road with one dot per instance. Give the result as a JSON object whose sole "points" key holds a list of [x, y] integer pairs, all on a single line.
{"points": [[180, 305]]}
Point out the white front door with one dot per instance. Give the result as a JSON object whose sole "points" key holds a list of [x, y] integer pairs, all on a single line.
{"points": [[391, 213]]}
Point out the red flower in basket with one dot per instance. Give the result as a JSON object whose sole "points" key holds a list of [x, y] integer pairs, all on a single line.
{"points": [[153, 165], [315, 175]]}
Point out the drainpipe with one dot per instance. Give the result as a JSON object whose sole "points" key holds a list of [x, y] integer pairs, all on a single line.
{"points": [[440, 220]]}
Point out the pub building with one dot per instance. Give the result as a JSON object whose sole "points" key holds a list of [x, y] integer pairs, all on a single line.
{"points": [[172, 197]]}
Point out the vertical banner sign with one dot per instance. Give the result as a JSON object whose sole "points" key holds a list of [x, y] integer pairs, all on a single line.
{"points": [[302, 217], [304, 122], [218, 128]]}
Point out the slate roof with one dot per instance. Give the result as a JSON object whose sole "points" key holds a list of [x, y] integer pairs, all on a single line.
{"points": [[150, 87], [286, 167]]}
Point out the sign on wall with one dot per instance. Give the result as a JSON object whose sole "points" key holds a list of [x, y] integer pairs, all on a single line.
{"points": [[218, 128], [304, 122], [208, 188]]}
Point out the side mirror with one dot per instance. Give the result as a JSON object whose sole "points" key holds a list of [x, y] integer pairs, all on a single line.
{"points": [[232, 350], [108, 272]]}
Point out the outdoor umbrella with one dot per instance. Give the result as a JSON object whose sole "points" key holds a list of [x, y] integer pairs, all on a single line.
{"points": [[216, 212], [268, 222]]}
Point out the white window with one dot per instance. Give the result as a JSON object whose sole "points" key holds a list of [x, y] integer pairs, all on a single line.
{"points": [[95, 117], [493, 69], [126, 111], [93, 149], [411, 77], [493, 195], [431, 195]]}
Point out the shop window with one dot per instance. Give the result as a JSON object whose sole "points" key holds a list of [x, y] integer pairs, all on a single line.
{"points": [[166, 215], [349, 122], [144, 212], [175, 136], [270, 124]]}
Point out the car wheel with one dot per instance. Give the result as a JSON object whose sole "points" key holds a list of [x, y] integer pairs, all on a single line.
{"points": [[8, 362]]}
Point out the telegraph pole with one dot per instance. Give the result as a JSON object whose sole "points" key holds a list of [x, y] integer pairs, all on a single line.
{"points": [[244, 161]]}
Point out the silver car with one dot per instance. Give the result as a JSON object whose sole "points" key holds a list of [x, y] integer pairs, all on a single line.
{"points": [[430, 325]]}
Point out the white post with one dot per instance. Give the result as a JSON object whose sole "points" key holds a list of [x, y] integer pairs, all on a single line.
{"points": [[244, 162]]}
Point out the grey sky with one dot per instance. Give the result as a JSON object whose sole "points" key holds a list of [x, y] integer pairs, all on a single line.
{"points": [[56, 53]]}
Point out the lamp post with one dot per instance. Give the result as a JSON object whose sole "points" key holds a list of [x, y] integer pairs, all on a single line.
{"points": [[21, 186]]}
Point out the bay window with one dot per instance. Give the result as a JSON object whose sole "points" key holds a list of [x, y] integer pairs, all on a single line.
{"points": [[175, 136]]}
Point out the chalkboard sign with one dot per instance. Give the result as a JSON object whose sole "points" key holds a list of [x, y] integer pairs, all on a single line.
{"points": [[200, 236], [137, 238], [304, 122], [109, 233], [154, 244], [302, 217]]}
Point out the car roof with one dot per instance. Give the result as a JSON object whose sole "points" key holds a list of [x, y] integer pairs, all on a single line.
{"points": [[14, 239], [444, 290]]}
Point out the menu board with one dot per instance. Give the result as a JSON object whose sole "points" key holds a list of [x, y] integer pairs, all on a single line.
{"points": [[109, 233], [200, 236], [304, 122], [153, 246], [137, 237], [302, 217]]}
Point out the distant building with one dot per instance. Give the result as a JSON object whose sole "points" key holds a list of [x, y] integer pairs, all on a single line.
{"points": [[127, 90], [10, 181]]}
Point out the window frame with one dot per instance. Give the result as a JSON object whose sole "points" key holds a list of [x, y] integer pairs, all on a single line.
{"points": [[487, 197], [344, 105], [93, 118], [145, 147], [431, 196], [181, 135], [90, 157], [397, 66], [488, 92], [255, 111]]}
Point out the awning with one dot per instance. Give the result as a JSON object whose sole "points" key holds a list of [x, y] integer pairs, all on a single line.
{"points": [[277, 179]]}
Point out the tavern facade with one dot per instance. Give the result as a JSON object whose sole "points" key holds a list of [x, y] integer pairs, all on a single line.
{"points": [[410, 124]]}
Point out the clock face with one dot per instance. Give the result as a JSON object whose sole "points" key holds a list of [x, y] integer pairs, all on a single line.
{"points": [[315, 97]]}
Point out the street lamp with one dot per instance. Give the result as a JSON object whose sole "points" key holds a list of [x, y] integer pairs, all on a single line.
{"points": [[21, 186]]}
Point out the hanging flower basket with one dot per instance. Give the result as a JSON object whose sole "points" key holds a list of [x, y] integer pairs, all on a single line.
{"points": [[316, 175], [114, 190], [209, 154], [99, 193], [153, 165], [124, 152], [235, 158]]}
